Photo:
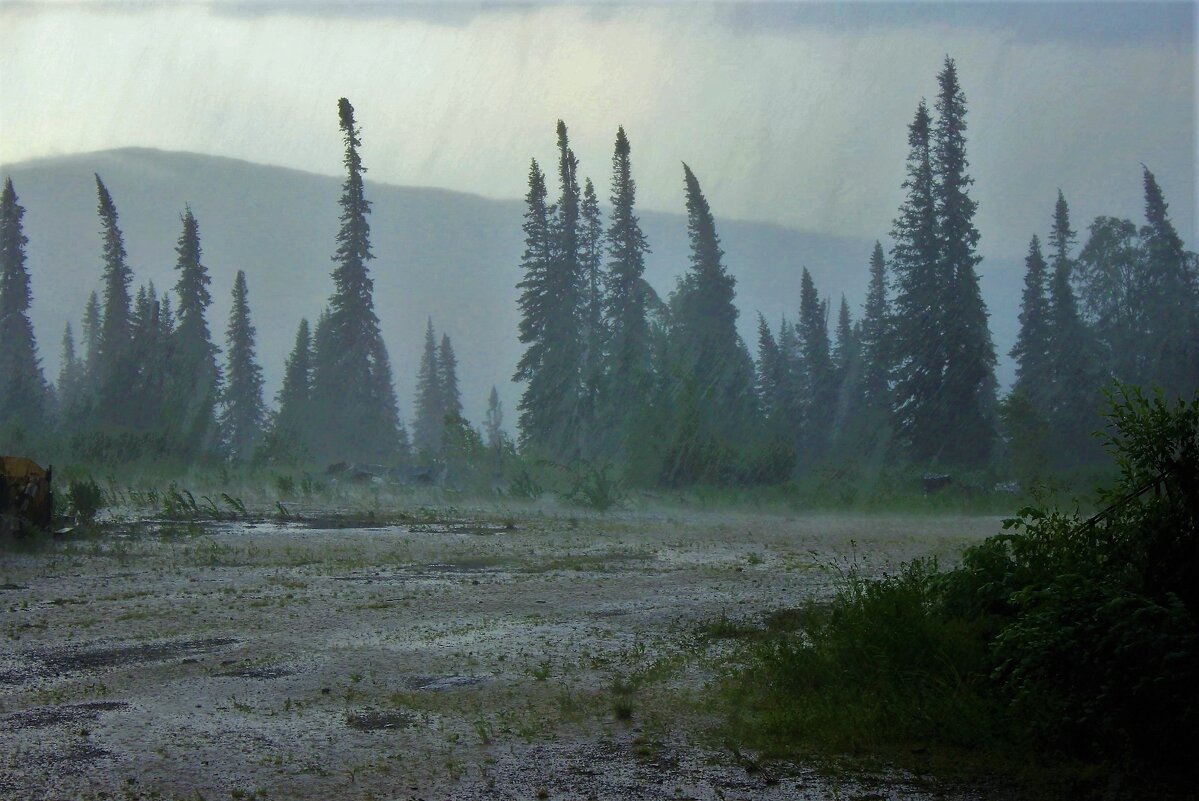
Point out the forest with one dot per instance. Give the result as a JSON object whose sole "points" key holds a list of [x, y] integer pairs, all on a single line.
{"points": [[658, 392]]}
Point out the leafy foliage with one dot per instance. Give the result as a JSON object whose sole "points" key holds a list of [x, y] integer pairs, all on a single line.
{"points": [[1061, 635]]}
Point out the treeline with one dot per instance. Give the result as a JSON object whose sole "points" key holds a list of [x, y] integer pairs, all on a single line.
{"points": [[663, 389], [149, 383], [667, 390]]}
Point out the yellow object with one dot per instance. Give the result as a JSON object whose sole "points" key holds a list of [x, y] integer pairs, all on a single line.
{"points": [[25, 490]]}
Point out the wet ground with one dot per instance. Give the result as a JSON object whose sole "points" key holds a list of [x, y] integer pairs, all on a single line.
{"points": [[491, 655]]}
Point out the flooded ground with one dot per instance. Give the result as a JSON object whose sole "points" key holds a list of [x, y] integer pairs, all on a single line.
{"points": [[490, 655]]}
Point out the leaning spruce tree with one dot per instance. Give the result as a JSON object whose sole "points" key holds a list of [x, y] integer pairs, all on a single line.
{"points": [[968, 391], [710, 370], [353, 395], [194, 378], [243, 413], [23, 392]]}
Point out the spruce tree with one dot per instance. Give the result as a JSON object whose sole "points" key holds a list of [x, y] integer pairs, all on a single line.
{"points": [[919, 346], [1171, 288], [115, 369], [70, 383], [594, 333], [629, 367], [969, 386], [1034, 376], [194, 380], [23, 392], [711, 368], [243, 412], [493, 423], [149, 352], [535, 306], [1111, 283], [91, 335], [293, 422], [551, 314], [769, 380], [447, 372], [875, 341], [817, 377], [847, 370], [1073, 408], [430, 411], [845, 344], [353, 395]]}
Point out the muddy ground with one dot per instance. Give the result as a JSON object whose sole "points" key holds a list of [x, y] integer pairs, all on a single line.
{"points": [[476, 655]]}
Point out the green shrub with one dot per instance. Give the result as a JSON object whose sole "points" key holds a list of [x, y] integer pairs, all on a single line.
{"points": [[84, 499], [1059, 636], [593, 487]]}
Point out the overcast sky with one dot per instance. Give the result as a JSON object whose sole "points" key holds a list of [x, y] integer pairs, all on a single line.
{"points": [[793, 113]]}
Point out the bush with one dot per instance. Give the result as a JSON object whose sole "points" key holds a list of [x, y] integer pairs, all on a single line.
{"points": [[85, 499], [1059, 636]]}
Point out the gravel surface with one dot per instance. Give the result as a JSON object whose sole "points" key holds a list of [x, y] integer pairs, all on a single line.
{"points": [[527, 655]]}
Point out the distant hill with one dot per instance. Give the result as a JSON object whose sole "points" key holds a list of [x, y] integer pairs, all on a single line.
{"points": [[450, 255]]}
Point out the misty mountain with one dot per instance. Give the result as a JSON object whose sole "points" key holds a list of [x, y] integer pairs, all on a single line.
{"points": [[449, 255]]}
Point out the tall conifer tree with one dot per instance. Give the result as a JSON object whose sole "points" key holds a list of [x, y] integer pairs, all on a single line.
{"points": [[447, 371], [629, 366], [594, 333], [353, 394], [817, 379], [493, 423], [194, 381], [919, 345], [115, 370], [243, 412], [535, 303], [551, 304], [430, 409], [23, 391], [1074, 386], [1171, 288], [1034, 376], [293, 422], [967, 397], [70, 382], [876, 346], [711, 370]]}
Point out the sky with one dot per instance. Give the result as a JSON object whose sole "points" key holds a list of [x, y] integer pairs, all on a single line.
{"points": [[792, 113]]}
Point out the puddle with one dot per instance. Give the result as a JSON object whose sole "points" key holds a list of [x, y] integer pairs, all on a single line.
{"points": [[374, 720], [43, 716]]}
